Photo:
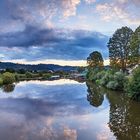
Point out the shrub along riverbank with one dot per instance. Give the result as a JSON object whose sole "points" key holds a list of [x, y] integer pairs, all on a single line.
{"points": [[9, 78], [117, 80]]}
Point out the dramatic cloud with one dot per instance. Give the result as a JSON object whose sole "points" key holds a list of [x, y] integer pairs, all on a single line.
{"points": [[38, 30], [40, 44]]}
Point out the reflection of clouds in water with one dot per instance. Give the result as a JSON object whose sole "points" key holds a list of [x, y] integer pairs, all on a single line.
{"points": [[15, 118], [41, 89], [50, 83], [59, 113], [105, 134], [70, 134], [41, 128]]}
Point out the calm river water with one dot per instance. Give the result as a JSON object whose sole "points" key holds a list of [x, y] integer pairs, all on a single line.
{"points": [[66, 110]]}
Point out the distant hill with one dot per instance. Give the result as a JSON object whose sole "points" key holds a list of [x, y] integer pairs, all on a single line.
{"points": [[39, 67]]}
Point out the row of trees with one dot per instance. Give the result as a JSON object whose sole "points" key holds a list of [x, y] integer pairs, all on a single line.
{"points": [[124, 53], [124, 50]]}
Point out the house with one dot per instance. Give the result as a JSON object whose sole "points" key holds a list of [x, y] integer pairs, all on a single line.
{"points": [[54, 77]]}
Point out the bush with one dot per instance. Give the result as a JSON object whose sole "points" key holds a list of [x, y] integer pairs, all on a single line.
{"points": [[90, 75], [112, 85], [17, 77], [98, 81], [8, 78], [109, 78], [133, 85], [99, 75], [106, 78], [1, 81], [28, 74], [119, 77]]}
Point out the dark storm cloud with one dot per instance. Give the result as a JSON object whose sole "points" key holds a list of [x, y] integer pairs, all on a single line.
{"points": [[29, 37], [53, 43], [33, 36]]}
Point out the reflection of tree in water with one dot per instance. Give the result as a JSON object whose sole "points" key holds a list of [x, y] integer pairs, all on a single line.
{"points": [[124, 119], [8, 88], [94, 95]]}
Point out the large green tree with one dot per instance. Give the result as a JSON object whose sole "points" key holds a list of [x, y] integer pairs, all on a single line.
{"points": [[119, 48], [95, 60], [135, 47]]}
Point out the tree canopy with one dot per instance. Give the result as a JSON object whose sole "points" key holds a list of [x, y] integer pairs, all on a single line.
{"points": [[119, 48], [95, 60], [135, 47]]}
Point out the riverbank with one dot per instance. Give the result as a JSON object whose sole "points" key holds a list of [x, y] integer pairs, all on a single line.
{"points": [[12, 77], [118, 81]]}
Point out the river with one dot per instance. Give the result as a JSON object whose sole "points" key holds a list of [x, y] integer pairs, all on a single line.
{"points": [[66, 110]]}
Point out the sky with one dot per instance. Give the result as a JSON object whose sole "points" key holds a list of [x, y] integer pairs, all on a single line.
{"points": [[61, 32]]}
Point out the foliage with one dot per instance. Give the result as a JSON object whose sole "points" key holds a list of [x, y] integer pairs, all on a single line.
{"points": [[112, 85], [110, 79], [133, 85], [135, 47], [119, 48], [100, 74], [10, 70], [8, 78], [95, 60], [47, 75], [90, 75], [17, 77], [119, 77], [21, 71], [28, 74], [80, 69], [106, 78], [1, 81]]}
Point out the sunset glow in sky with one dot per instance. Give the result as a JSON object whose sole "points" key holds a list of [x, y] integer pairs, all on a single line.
{"points": [[61, 31]]}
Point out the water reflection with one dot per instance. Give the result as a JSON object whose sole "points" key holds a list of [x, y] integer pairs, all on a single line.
{"points": [[124, 115], [59, 110], [95, 96], [8, 88], [40, 111]]}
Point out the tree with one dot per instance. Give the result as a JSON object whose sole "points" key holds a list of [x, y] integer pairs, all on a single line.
{"points": [[119, 48], [95, 60], [8, 78], [21, 71], [135, 47], [11, 70]]}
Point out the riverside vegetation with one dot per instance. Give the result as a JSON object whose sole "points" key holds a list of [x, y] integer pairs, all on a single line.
{"points": [[9, 76], [123, 74]]}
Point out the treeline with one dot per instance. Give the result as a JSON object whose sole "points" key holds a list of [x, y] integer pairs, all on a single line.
{"points": [[124, 56], [38, 67]]}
